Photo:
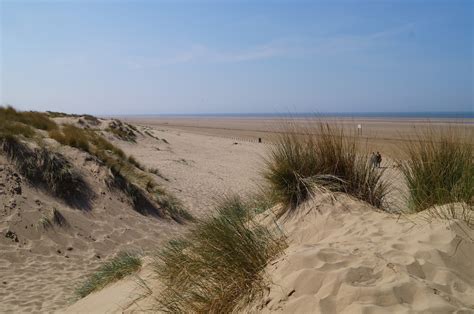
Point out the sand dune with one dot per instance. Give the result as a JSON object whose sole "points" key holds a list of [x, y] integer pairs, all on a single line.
{"points": [[41, 271], [346, 257]]}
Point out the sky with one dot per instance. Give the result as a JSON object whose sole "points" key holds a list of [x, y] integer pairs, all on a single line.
{"points": [[184, 57]]}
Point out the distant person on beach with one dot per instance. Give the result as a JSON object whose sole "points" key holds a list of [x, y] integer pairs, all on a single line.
{"points": [[379, 159], [373, 160]]}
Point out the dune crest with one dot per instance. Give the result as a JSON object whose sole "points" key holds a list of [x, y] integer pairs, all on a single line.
{"points": [[344, 257]]}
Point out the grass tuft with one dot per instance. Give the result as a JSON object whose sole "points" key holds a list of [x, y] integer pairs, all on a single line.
{"points": [[305, 160], [217, 267], [72, 136], [138, 197], [37, 120], [122, 265], [174, 207], [439, 169]]}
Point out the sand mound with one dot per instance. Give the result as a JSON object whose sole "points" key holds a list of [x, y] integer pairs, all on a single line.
{"points": [[347, 258], [43, 261]]}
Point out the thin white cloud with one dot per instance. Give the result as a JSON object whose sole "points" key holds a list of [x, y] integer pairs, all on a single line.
{"points": [[273, 49]]}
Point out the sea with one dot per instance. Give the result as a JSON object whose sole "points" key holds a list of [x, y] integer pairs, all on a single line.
{"points": [[394, 115]]}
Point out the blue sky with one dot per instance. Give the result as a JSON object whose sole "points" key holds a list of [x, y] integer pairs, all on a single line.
{"points": [[144, 57]]}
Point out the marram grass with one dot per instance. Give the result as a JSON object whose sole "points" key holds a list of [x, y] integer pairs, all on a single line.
{"points": [[117, 268], [218, 266], [305, 160], [439, 169]]}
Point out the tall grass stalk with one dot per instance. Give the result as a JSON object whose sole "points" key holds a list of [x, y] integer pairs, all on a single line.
{"points": [[217, 267]]}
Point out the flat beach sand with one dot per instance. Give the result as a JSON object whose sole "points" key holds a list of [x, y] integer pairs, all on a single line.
{"points": [[379, 134]]}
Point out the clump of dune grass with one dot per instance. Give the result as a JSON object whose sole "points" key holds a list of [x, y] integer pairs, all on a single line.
{"points": [[174, 207], [12, 128], [122, 265], [135, 162], [439, 169], [48, 169], [147, 198], [127, 174], [14, 123], [218, 266], [37, 120], [138, 197], [261, 199], [72, 136], [303, 161]]}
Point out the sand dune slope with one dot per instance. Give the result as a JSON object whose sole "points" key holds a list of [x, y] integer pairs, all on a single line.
{"points": [[344, 257], [347, 258]]}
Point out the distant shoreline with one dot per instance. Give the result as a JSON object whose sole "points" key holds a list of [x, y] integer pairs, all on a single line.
{"points": [[394, 115]]}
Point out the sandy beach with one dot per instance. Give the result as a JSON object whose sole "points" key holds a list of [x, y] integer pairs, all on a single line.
{"points": [[382, 134], [214, 157], [343, 256]]}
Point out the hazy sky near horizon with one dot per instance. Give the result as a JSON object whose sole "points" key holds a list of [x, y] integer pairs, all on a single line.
{"points": [[151, 57]]}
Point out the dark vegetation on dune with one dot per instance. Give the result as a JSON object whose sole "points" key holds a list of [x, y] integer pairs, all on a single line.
{"points": [[123, 131], [49, 170], [217, 266], [53, 171], [323, 157]]}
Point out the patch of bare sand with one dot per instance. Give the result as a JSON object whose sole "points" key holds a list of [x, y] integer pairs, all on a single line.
{"points": [[345, 257], [199, 168]]}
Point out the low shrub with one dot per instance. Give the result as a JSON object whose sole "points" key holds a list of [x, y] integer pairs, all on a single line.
{"points": [[120, 266], [217, 267]]}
